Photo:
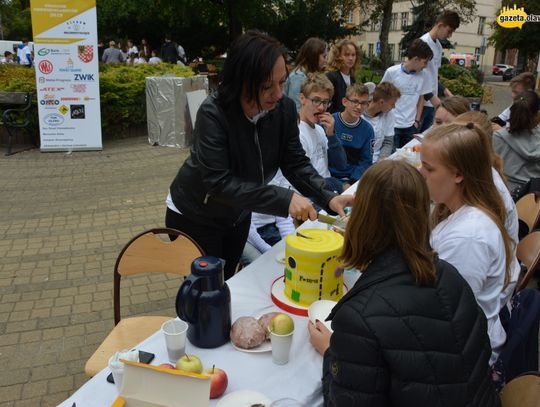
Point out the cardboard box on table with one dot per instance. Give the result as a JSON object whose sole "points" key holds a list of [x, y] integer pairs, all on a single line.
{"points": [[154, 386]]}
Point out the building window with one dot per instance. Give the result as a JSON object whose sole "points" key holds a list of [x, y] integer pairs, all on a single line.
{"points": [[370, 49], [404, 20], [350, 17], [393, 26], [477, 55], [373, 26], [391, 48], [481, 25]]}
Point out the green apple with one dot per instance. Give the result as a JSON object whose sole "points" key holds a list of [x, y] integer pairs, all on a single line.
{"points": [[281, 324], [189, 363]]}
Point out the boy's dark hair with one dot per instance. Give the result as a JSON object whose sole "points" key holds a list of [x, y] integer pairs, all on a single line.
{"points": [[308, 55], [524, 112], [419, 49], [248, 66], [526, 79], [7, 53], [450, 18]]}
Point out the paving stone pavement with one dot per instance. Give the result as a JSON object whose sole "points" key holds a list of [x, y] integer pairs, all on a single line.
{"points": [[63, 220]]}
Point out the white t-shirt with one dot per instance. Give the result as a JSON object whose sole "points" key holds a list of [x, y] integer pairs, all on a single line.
{"points": [[411, 86], [432, 69], [133, 50], [23, 55], [154, 60], [470, 241], [512, 226], [383, 126], [505, 115], [346, 78], [315, 145]]}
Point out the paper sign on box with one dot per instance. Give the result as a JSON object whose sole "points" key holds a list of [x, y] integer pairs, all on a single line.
{"points": [[154, 386]]}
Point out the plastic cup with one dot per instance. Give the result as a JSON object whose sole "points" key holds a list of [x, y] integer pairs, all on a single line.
{"points": [[281, 347], [117, 367], [174, 331]]}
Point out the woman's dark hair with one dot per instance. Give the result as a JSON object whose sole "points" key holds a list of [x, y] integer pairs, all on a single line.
{"points": [[524, 112], [308, 55], [248, 67]]}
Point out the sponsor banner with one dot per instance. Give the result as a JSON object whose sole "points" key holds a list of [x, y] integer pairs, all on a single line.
{"points": [[67, 77]]}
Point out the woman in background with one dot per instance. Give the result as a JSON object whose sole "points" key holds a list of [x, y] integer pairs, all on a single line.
{"points": [[311, 58], [342, 62], [409, 333]]}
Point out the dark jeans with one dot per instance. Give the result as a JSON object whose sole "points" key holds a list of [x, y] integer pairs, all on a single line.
{"points": [[216, 240], [428, 114], [403, 136], [269, 233]]}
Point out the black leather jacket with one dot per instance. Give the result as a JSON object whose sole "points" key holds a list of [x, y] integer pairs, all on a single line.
{"points": [[396, 344], [232, 160]]}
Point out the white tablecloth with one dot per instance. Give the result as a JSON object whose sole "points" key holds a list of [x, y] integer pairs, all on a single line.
{"points": [[250, 293]]}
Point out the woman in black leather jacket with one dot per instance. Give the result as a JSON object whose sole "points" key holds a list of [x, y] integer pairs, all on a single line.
{"points": [[242, 135], [409, 333]]}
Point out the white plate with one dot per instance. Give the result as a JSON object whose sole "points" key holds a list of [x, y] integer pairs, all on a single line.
{"points": [[280, 258], [320, 310], [266, 346], [244, 398]]}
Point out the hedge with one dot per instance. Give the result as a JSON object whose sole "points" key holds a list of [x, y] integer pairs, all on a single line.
{"points": [[122, 90]]}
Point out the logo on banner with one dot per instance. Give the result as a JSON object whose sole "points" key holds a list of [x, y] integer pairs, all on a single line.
{"points": [[49, 100], [52, 51], [63, 109], [70, 99], [85, 77], [78, 87], [87, 98], [43, 51], [53, 119], [77, 111], [45, 67], [51, 89], [69, 67], [85, 53], [76, 27]]}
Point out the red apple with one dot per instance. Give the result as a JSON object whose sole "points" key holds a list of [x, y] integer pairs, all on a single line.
{"points": [[218, 381], [167, 366]]}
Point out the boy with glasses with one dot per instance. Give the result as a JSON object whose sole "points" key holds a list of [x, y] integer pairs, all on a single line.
{"points": [[355, 135], [317, 126], [413, 84]]}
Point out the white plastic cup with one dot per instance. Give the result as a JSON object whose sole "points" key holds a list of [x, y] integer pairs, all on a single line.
{"points": [[281, 347], [117, 367], [175, 331]]}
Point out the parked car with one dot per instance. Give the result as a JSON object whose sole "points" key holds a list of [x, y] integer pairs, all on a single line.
{"points": [[508, 74], [498, 69]]}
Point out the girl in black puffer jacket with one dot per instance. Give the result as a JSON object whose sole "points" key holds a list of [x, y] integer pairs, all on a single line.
{"points": [[409, 333]]}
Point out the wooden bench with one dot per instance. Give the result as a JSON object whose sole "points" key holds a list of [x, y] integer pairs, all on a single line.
{"points": [[15, 114]]}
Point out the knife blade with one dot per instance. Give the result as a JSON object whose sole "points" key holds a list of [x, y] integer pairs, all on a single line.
{"points": [[330, 220]]}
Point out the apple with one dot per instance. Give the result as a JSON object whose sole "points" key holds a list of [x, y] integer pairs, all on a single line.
{"points": [[189, 363], [281, 324], [218, 381], [167, 366]]}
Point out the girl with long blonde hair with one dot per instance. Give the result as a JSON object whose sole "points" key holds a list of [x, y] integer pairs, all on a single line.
{"points": [[342, 63], [469, 217]]}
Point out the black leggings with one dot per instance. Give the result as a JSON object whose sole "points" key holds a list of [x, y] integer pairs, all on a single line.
{"points": [[224, 242]]}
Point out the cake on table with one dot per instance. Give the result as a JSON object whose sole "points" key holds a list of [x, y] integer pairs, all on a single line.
{"points": [[312, 270]]}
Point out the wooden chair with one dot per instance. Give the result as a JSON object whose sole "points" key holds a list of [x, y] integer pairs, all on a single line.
{"points": [[523, 391], [528, 208], [528, 253], [147, 252]]}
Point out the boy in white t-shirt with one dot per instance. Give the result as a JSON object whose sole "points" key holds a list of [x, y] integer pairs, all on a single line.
{"points": [[317, 126], [413, 84], [380, 115], [445, 25]]}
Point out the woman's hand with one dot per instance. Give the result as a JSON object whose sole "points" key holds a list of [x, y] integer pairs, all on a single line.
{"points": [[301, 208], [319, 336], [340, 202]]}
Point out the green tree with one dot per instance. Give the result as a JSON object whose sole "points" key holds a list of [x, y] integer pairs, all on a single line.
{"points": [[425, 13], [380, 11], [526, 39], [16, 22]]}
